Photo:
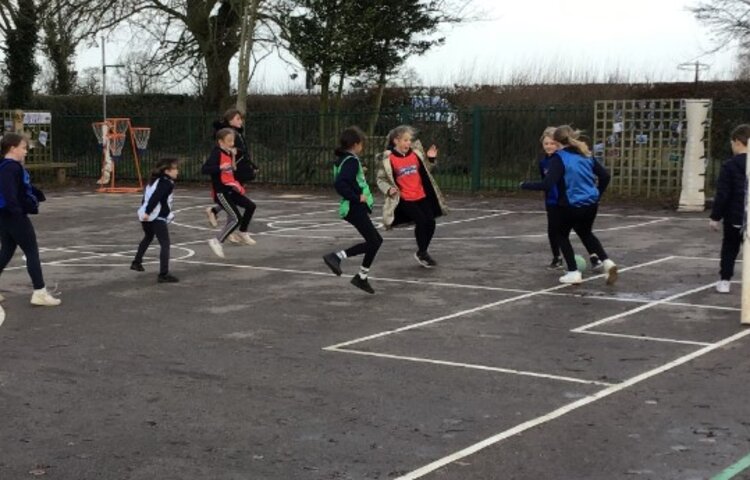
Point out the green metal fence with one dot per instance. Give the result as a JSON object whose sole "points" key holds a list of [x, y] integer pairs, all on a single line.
{"points": [[480, 149]]}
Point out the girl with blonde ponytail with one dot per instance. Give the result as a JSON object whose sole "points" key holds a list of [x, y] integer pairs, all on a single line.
{"points": [[580, 181]]}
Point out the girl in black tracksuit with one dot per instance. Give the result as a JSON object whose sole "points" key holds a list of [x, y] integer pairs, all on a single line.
{"points": [[155, 214], [729, 205], [355, 207]]}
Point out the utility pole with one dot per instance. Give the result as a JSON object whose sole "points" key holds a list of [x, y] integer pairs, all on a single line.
{"points": [[697, 66]]}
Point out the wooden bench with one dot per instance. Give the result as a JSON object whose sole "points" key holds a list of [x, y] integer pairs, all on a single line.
{"points": [[58, 167]]}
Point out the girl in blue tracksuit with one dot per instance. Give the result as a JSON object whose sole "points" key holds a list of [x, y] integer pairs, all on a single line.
{"points": [[18, 200], [580, 181], [155, 214]]}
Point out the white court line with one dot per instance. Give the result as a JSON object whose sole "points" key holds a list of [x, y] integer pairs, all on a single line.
{"points": [[447, 460], [645, 338], [480, 308], [2, 315], [641, 308], [705, 259], [471, 366]]}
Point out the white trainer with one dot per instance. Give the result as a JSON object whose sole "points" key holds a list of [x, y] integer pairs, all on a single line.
{"points": [[610, 269], [572, 278], [235, 238], [723, 286], [216, 247], [43, 298], [212, 217], [246, 238]]}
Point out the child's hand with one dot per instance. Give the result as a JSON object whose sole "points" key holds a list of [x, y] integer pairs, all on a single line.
{"points": [[145, 217], [362, 199], [714, 225], [392, 191], [432, 152]]}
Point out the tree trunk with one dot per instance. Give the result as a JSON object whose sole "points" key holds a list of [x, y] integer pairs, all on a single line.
{"points": [[217, 81], [249, 17], [339, 94], [382, 79], [325, 85]]}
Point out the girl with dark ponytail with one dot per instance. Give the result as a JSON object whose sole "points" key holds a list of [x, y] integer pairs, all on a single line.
{"points": [[355, 206]]}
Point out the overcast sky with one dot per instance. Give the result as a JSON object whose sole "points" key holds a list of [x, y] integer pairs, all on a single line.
{"points": [[640, 39]]}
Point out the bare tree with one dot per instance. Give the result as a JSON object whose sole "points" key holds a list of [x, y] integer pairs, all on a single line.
{"points": [[138, 75]]}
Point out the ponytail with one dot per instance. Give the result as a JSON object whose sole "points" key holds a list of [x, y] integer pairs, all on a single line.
{"points": [[566, 136]]}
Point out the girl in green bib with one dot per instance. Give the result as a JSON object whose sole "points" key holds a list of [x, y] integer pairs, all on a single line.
{"points": [[355, 207]]}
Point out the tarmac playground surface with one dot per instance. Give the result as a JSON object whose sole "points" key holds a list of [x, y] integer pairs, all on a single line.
{"points": [[265, 366]]}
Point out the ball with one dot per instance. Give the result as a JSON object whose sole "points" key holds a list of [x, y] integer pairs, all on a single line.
{"points": [[581, 263]]}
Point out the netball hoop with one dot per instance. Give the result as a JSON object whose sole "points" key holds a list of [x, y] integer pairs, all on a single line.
{"points": [[112, 135]]}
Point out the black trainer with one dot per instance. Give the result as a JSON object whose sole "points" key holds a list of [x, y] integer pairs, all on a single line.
{"points": [[425, 259], [555, 264], [137, 267], [334, 262], [362, 284], [167, 278]]}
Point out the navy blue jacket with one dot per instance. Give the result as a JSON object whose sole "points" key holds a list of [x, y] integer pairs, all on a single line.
{"points": [[19, 196], [729, 201]]}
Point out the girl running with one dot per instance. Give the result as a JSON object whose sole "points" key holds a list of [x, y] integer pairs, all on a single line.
{"points": [[411, 194], [228, 192], [355, 207]]}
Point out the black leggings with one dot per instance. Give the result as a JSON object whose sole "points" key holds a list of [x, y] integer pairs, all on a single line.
{"points": [[159, 229], [231, 202], [552, 231], [360, 219], [420, 212], [580, 220], [730, 248], [15, 232]]}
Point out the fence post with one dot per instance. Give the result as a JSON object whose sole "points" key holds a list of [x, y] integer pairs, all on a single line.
{"points": [[476, 146]]}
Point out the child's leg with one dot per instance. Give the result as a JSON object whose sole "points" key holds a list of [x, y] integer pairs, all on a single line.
{"points": [[24, 234], [361, 221], [148, 237], [551, 233], [249, 207], [162, 235], [8, 247], [424, 220], [564, 226], [233, 216], [583, 226], [730, 248]]}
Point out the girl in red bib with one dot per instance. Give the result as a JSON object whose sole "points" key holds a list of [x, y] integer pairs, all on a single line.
{"points": [[411, 194]]}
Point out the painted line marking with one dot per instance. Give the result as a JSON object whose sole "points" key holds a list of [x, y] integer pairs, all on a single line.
{"points": [[447, 460], [641, 308], [734, 469], [645, 338], [483, 307], [470, 366]]}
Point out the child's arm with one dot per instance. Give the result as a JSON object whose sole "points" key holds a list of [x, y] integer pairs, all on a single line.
{"points": [[9, 186], [554, 174], [384, 183], [602, 174], [211, 165]]}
